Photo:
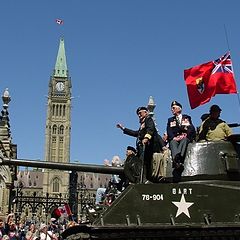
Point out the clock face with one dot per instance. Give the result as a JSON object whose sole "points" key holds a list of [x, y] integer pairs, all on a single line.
{"points": [[60, 86]]}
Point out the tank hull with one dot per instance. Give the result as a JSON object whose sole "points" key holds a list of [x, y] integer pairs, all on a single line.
{"points": [[187, 210], [227, 232]]}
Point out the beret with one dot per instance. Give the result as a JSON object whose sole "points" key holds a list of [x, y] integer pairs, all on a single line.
{"points": [[176, 103], [132, 149], [140, 109], [215, 108]]}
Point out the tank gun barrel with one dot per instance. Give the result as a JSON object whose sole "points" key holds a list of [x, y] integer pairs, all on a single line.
{"points": [[233, 125], [62, 166]]}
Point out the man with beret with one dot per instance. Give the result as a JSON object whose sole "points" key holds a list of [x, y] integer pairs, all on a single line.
{"points": [[148, 140], [214, 128], [132, 165], [131, 150], [180, 131]]}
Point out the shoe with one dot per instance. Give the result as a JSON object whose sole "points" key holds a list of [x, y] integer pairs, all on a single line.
{"points": [[177, 173], [179, 166]]}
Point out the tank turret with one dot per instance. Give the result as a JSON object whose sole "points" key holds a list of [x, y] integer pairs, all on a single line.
{"points": [[211, 160]]}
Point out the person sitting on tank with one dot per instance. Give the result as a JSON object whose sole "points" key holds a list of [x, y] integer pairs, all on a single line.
{"points": [[214, 128], [203, 118], [180, 131], [132, 166]]}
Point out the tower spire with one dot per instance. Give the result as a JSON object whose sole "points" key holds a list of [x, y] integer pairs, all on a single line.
{"points": [[61, 62]]}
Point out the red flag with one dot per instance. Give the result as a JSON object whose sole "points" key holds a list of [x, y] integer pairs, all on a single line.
{"points": [[62, 211], [67, 209], [208, 79], [59, 21]]}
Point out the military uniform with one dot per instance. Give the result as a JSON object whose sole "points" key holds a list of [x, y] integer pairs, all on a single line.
{"points": [[146, 130], [132, 168], [176, 129], [214, 128], [180, 132]]}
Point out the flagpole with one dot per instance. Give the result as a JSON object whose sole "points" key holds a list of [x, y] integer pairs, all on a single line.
{"points": [[226, 35]]}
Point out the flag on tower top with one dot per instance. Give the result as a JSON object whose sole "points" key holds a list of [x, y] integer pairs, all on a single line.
{"points": [[206, 80], [59, 21]]}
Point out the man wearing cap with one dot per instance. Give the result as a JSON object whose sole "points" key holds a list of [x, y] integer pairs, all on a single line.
{"points": [[148, 140], [180, 131], [132, 165], [214, 128]]}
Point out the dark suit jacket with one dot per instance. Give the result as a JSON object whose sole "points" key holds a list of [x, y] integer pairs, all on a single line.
{"points": [[174, 129], [156, 142]]}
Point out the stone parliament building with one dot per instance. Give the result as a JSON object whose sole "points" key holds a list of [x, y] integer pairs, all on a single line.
{"points": [[34, 193]]}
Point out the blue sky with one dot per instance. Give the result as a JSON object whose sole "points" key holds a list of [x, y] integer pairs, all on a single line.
{"points": [[118, 53]]}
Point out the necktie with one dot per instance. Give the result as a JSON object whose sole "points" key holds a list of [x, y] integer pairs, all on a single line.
{"points": [[178, 121]]}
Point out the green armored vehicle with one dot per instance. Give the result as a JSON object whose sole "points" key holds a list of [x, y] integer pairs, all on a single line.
{"points": [[204, 205]]}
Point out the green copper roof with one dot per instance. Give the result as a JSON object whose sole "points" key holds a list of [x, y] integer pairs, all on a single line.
{"points": [[61, 63]]}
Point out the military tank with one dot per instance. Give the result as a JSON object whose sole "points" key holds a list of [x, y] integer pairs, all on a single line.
{"points": [[204, 205]]}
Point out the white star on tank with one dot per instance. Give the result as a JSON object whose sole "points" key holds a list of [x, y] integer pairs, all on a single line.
{"points": [[183, 206]]}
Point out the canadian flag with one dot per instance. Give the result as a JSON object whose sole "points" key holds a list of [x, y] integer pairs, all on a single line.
{"points": [[59, 21], [62, 211]]}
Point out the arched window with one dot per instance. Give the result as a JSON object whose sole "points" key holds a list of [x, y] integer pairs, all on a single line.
{"points": [[61, 130], [54, 131], [55, 185]]}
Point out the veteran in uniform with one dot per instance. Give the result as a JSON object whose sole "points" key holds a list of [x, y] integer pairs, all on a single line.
{"points": [[132, 165], [180, 131], [214, 128], [148, 140]]}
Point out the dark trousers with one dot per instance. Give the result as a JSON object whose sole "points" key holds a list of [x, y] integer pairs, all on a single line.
{"points": [[145, 154], [178, 151], [179, 147]]}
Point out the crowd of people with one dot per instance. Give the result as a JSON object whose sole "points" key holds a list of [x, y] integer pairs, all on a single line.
{"points": [[32, 230]]}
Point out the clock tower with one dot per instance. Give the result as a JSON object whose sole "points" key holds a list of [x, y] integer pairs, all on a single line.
{"points": [[58, 125]]}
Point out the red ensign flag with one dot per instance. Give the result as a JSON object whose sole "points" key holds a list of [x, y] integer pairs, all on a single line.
{"points": [[208, 79]]}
